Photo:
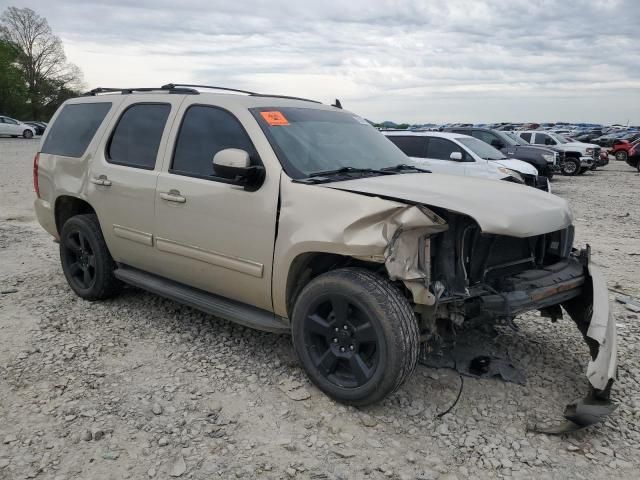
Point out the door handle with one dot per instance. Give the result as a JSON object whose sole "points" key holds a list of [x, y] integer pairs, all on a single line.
{"points": [[101, 180], [173, 196]]}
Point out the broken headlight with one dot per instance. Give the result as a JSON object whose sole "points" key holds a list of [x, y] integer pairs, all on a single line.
{"points": [[512, 173]]}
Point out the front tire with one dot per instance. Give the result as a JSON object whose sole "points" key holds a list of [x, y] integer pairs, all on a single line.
{"points": [[356, 335], [571, 166], [27, 134], [86, 261], [621, 156]]}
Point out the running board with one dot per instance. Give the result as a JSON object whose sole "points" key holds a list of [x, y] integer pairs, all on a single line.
{"points": [[215, 305]]}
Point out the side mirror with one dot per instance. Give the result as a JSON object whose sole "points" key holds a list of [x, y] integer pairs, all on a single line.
{"points": [[455, 156], [548, 141], [497, 144], [235, 164]]}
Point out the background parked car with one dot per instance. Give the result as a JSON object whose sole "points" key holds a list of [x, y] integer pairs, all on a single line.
{"points": [[621, 149], [14, 128], [545, 160], [633, 159], [579, 157], [39, 126], [457, 154]]}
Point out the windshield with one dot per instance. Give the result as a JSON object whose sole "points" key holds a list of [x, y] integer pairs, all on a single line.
{"points": [[506, 138], [516, 138], [308, 141], [481, 149], [559, 138]]}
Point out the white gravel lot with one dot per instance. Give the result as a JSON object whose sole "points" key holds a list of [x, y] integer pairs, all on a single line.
{"points": [[141, 387]]}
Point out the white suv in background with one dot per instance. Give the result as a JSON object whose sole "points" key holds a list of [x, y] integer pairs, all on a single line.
{"points": [[15, 128], [579, 157], [458, 154]]}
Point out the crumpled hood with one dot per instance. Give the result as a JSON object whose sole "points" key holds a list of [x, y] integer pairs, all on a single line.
{"points": [[499, 207]]}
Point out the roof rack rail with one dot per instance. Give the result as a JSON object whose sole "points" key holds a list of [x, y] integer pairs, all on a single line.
{"points": [[189, 85], [187, 88], [253, 94], [169, 88]]}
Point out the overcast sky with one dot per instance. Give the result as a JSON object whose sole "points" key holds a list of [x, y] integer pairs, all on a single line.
{"points": [[415, 61]]}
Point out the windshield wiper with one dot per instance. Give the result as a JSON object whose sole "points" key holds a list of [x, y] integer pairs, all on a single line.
{"points": [[338, 171], [403, 167]]}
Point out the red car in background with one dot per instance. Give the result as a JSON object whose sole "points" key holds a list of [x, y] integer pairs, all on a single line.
{"points": [[621, 148]]}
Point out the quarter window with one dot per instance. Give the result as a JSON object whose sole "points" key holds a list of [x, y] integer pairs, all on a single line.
{"points": [[526, 137], [411, 146], [203, 133], [137, 136], [74, 128], [441, 148]]}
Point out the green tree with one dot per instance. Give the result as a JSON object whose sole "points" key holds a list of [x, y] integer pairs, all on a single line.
{"points": [[13, 89], [40, 56]]}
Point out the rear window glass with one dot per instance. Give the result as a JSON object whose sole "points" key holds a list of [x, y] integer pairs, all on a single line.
{"points": [[74, 128]]}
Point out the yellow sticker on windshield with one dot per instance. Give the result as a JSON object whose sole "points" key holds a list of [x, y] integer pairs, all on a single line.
{"points": [[274, 118]]}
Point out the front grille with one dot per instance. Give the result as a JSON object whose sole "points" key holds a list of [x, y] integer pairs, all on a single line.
{"points": [[596, 153], [529, 180]]}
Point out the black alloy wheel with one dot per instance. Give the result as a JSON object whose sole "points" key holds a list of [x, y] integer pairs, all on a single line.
{"points": [[81, 259], [85, 258], [342, 341], [355, 334]]}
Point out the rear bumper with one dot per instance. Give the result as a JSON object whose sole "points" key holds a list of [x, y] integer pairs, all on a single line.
{"points": [[45, 216]]}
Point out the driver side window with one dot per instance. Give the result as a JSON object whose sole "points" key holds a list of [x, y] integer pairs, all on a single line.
{"points": [[544, 139], [441, 149]]}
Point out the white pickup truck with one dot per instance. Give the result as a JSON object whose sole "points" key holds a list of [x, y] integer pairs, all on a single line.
{"points": [[579, 157]]}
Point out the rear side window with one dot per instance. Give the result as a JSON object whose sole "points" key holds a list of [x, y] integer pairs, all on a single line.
{"points": [[74, 128], [137, 136], [203, 133], [411, 146], [526, 137]]}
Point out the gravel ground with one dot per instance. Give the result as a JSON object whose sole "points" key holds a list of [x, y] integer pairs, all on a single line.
{"points": [[141, 387]]}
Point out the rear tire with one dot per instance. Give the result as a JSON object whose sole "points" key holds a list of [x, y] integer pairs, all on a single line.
{"points": [[356, 335], [571, 166], [86, 261], [27, 134]]}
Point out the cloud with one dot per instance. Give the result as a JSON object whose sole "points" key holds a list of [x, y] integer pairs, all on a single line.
{"points": [[415, 61]]}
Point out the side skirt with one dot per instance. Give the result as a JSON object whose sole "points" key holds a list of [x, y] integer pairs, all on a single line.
{"points": [[215, 305]]}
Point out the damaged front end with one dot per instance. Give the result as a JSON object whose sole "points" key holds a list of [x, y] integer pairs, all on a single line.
{"points": [[463, 276]]}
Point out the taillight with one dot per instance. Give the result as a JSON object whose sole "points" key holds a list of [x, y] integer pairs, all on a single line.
{"points": [[36, 184]]}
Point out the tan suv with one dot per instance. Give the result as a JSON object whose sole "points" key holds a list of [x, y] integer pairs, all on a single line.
{"points": [[287, 215]]}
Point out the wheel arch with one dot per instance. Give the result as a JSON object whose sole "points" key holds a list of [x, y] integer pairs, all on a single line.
{"points": [[309, 265], [67, 206]]}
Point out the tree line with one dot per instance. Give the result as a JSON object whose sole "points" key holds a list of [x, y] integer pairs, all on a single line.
{"points": [[35, 76]]}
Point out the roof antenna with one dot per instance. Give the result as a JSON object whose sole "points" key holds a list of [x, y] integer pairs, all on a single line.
{"points": [[337, 104]]}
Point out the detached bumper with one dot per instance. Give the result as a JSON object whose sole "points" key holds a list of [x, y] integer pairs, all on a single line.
{"points": [[537, 289], [581, 289]]}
